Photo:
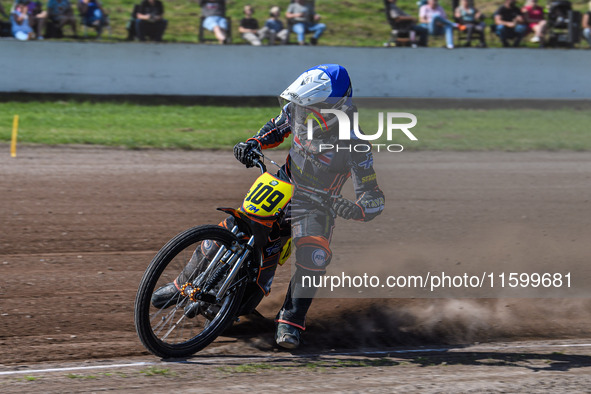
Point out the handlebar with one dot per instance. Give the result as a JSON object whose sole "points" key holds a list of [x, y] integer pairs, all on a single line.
{"points": [[257, 162], [321, 198], [262, 166]]}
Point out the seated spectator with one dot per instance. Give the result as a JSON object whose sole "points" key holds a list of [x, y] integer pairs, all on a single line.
{"points": [[273, 28], [401, 17], [586, 24], [471, 19], [510, 23], [215, 20], [432, 16], [20, 23], [37, 16], [249, 27], [534, 16], [303, 20], [150, 22], [60, 13], [93, 15]]}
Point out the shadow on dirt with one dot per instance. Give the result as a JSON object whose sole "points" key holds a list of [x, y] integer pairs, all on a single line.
{"points": [[535, 362]]}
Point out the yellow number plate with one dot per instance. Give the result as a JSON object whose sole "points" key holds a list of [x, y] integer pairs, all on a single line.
{"points": [[267, 196]]}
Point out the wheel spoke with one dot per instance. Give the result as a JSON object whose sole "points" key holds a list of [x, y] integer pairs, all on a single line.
{"points": [[164, 322], [173, 327]]}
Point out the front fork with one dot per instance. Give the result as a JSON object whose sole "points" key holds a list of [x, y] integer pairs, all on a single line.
{"points": [[231, 259]]}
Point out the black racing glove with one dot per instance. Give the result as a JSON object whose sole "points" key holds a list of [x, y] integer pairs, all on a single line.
{"points": [[347, 209], [243, 150]]}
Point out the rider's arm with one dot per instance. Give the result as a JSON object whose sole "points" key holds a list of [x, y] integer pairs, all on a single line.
{"points": [[369, 196], [274, 132]]}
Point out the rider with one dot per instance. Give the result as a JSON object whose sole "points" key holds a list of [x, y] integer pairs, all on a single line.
{"points": [[317, 160], [309, 166]]}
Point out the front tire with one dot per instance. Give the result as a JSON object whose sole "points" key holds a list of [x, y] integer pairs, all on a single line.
{"points": [[167, 331]]}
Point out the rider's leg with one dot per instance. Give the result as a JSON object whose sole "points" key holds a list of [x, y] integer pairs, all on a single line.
{"points": [[312, 256], [298, 299], [208, 248], [204, 252]]}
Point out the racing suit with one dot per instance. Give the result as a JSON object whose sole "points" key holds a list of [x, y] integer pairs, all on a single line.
{"points": [[311, 233]]}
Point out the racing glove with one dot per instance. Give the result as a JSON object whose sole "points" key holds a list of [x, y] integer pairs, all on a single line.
{"points": [[243, 150], [347, 209]]}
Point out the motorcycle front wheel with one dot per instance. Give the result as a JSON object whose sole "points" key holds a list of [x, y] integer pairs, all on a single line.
{"points": [[164, 327]]}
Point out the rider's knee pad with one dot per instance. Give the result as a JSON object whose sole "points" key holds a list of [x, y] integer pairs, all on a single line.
{"points": [[209, 248], [313, 253]]}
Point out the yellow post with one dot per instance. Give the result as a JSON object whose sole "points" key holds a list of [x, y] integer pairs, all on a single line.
{"points": [[14, 133]]}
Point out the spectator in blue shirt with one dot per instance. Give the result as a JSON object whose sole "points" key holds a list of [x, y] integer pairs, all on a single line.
{"points": [[274, 28], [20, 23], [93, 15], [37, 17]]}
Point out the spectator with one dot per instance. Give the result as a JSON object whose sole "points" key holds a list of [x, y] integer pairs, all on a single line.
{"points": [[586, 24], [20, 23], [402, 19], [432, 17], [471, 19], [249, 27], [93, 15], [150, 22], [273, 28], [510, 23], [534, 16], [215, 20], [61, 14], [37, 17], [303, 20]]}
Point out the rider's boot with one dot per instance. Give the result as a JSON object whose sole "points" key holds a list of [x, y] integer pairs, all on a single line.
{"points": [[168, 295], [291, 318], [288, 336]]}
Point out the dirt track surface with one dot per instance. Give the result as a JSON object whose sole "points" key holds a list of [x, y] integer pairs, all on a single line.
{"points": [[79, 226]]}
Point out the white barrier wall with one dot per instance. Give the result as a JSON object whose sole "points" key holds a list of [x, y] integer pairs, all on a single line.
{"points": [[190, 69]]}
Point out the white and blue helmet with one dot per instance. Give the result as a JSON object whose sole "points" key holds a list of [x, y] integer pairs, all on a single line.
{"points": [[324, 84]]}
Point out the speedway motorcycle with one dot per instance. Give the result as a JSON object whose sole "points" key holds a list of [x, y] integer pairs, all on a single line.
{"points": [[219, 274]]}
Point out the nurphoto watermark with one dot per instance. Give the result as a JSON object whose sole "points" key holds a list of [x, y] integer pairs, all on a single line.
{"points": [[345, 129]]}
